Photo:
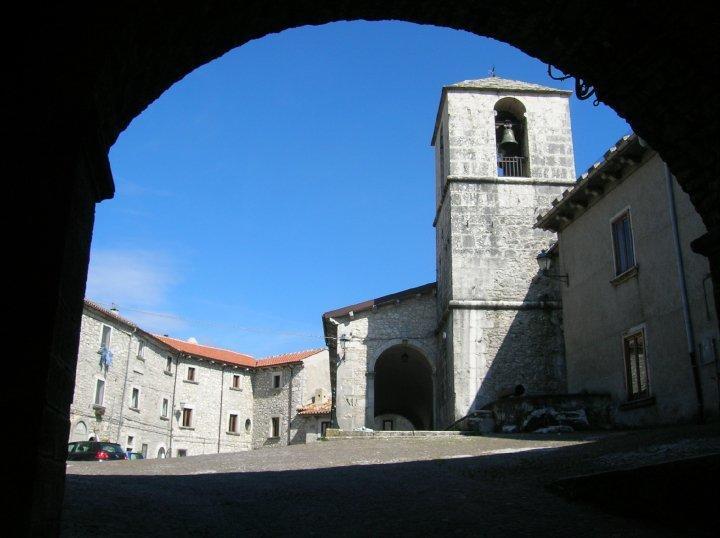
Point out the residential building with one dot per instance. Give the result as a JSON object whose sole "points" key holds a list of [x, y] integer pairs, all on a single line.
{"points": [[167, 397], [638, 313]]}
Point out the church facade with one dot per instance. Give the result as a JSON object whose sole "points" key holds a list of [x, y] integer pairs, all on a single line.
{"points": [[490, 325]]}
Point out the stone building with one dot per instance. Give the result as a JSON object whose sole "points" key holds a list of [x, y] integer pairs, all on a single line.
{"points": [[650, 339], [426, 357], [162, 396]]}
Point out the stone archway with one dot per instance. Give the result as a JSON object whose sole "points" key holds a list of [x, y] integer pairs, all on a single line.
{"points": [[403, 390], [81, 73]]}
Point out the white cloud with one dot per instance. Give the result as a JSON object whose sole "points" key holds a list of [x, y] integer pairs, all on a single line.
{"points": [[140, 282], [140, 278]]}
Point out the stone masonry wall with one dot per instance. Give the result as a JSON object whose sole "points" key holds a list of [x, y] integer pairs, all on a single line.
{"points": [[120, 420], [145, 424], [411, 321], [270, 402], [498, 327], [208, 431], [133, 427], [470, 147], [89, 370]]}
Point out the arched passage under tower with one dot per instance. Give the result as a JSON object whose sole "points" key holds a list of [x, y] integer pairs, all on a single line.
{"points": [[403, 390]]}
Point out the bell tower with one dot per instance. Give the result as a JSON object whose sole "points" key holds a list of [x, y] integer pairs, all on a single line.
{"points": [[503, 152]]}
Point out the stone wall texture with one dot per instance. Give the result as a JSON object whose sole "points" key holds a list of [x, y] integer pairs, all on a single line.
{"points": [[368, 334], [211, 396], [499, 328]]}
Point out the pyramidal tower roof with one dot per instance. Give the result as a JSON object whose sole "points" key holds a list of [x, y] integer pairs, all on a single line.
{"points": [[504, 84]]}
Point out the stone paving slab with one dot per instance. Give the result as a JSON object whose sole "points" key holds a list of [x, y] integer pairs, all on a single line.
{"points": [[488, 486], [333, 434]]}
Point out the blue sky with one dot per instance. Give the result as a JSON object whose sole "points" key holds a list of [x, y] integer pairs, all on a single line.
{"points": [[293, 176]]}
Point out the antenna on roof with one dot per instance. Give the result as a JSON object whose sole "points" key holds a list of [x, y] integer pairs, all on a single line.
{"points": [[114, 308], [492, 71]]}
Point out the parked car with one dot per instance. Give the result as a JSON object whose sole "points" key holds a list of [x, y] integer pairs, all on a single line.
{"points": [[95, 451], [136, 456]]}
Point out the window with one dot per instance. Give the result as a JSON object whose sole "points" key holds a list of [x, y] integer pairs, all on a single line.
{"points": [[141, 350], [187, 417], [236, 381], [168, 365], [135, 399], [182, 452], [191, 373], [276, 381], [161, 452], [144, 450], [165, 405], [130, 443], [248, 423], [99, 392], [232, 424], [623, 243], [275, 427], [636, 366], [105, 338]]}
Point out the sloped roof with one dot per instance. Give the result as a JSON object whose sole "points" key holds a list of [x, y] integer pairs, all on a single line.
{"points": [[208, 352], [380, 301], [505, 84], [323, 408], [287, 358], [110, 313], [233, 357], [617, 163], [226, 356]]}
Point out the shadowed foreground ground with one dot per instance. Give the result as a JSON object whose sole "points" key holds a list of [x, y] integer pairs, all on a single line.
{"points": [[487, 486]]}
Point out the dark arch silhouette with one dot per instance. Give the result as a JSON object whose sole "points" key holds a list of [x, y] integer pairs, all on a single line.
{"points": [[404, 386], [81, 72]]}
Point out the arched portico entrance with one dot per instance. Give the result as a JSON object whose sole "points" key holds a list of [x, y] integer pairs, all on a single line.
{"points": [[403, 390], [108, 62]]}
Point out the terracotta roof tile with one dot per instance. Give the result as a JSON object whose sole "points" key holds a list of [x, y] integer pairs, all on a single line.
{"points": [[315, 409], [226, 356], [207, 352], [233, 357], [287, 358]]}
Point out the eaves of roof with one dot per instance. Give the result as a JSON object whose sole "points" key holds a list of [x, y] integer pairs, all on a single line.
{"points": [[617, 164], [373, 304]]}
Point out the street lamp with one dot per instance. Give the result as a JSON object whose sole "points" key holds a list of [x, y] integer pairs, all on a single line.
{"points": [[544, 260]]}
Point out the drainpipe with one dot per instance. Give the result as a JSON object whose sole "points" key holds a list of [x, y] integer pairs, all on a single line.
{"points": [[222, 385], [690, 334], [124, 390]]}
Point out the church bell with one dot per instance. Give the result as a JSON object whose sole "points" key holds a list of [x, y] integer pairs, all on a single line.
{"points": [[508, 140]]}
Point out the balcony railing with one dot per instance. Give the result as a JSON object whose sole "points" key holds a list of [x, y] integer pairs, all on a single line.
{"points": [[511, 167]]}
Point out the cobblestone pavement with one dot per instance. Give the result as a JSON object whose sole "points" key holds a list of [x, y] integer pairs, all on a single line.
{"points": [[486, 486]]}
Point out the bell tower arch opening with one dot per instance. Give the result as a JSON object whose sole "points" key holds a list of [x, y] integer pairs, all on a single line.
{"points": [[511, 138], [403, 390]]}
